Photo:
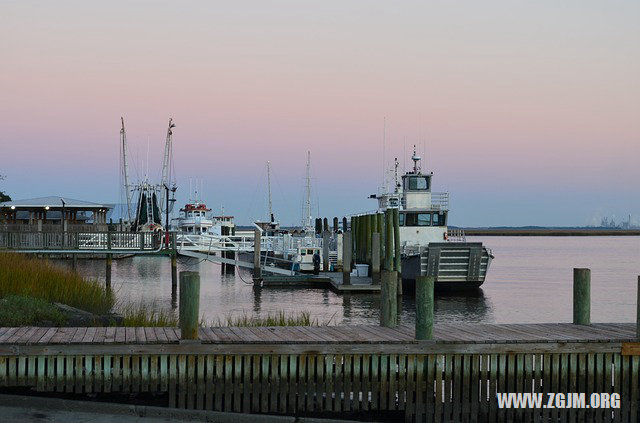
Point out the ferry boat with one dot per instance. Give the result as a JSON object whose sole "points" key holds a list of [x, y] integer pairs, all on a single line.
{"points": [[428, 246]]}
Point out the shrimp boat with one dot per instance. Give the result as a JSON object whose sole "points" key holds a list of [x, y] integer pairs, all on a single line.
{"points": [[428, 246]]}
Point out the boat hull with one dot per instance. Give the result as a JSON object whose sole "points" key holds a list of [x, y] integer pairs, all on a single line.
{"points": [[456, 266]]}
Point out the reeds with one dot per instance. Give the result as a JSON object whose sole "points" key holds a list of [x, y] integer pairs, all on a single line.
{"points": [[146, 315], [280, 318], [37, 278]]}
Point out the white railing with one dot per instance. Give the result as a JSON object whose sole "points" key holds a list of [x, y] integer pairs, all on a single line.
{"points": [[440, 200]]}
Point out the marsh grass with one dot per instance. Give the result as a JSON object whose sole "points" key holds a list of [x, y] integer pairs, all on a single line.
{"points": [[18, 310], [32, 277], [146, 315], [280, 318]]}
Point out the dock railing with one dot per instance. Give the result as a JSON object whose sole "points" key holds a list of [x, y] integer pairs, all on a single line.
{"points": [[85, 241]]}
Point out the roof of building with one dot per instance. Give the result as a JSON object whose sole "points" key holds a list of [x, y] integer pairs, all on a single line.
{"points": [[56, 202]]}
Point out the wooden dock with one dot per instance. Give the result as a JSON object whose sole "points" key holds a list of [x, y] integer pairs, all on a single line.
{"points": [[325, 280], [337, 369]]}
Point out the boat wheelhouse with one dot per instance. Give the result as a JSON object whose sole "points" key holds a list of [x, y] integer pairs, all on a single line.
{"points": [[193, 219], [428, 247]]}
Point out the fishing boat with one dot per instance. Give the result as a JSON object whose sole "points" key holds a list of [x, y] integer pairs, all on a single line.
{"points": [[428, 246], [194, 220]]}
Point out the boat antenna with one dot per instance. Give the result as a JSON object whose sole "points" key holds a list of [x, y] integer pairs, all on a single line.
{"points": [[308, 225], [396, 184], [125, 170], [269, 191], [415, 159], [384, 143]]}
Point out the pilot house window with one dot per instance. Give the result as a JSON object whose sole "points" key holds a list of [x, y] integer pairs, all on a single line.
{"points": [[417, 183]]}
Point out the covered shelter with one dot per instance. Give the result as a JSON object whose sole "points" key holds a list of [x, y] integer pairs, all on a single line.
{"points": [[53, 214]]}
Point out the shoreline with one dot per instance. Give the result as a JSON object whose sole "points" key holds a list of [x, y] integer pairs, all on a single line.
{"points": [[549, 232]]}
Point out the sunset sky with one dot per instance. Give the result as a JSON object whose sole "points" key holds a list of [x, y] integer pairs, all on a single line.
{"points": [[527, 112]]}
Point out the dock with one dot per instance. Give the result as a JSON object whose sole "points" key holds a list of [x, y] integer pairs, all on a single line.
{"points": [[338, 370], [324, 280]]}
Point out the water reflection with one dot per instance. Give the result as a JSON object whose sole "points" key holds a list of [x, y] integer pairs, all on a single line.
{"points": [[530, 281]]}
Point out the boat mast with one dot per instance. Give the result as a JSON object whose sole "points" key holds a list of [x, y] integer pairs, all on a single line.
{"points": [[269, 190], [308, 226], [166, 165], [125, 170]]}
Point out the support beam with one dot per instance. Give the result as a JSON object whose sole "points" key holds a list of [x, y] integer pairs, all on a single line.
{"points": [[325, 250], [397, 258]]}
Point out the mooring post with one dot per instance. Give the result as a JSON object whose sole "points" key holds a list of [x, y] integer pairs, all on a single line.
{"points": [[424, 307], [345, 226], [638, 310], [581, 296], [325, 250], [369, 220], [388, 248], [174, 272], [189, 304], [74, 261], [346, 258], [108, 271], [375, 258], [397, 257], [389, 299], [257, 274], [381, 230], [335, 225]]}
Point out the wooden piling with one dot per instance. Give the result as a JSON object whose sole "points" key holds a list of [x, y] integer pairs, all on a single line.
{"points": [[346, 258], [189, 304], [389, 299], [345, 226], [325, 250], [381, 231], [369, 230], [108, 271], [424, 307], [325, 225], [397, 258], [335, 225], [256, 255], [174, 272], [581, 296], [388, 248], [638, 310], [375, 258], [74, 261]]}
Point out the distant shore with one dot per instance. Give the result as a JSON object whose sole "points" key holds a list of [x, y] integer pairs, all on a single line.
{"points": [[550, 232]]}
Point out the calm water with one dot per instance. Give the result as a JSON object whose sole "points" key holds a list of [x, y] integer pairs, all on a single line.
{"points": [[530, 280]]}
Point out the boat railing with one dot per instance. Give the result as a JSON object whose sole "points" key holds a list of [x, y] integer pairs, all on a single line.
{"points": [[440, 200], [456, 235]]}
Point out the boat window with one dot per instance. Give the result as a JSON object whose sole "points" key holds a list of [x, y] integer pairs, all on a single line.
{"points": [[310, 251], [401, 219], [303, 252], [417, 219], [417, 183], [424, 219], [204, 229]]}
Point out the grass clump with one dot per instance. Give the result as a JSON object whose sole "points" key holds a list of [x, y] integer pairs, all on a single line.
{"points": [[31, 277], [278, 319], [19, 310], [147, 315]]}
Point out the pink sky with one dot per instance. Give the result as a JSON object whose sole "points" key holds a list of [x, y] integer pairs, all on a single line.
{"points": [[528, 111]]}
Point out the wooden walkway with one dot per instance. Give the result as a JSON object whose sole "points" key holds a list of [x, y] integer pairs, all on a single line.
{"points": [[339, 369], [443, 333]]}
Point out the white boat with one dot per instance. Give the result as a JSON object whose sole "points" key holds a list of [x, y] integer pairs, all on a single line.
{"points": [[194, 220], [303, 260], [428, 246]]}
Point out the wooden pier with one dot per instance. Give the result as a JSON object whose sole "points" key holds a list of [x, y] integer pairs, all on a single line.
{"points": [[338, 369]]}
